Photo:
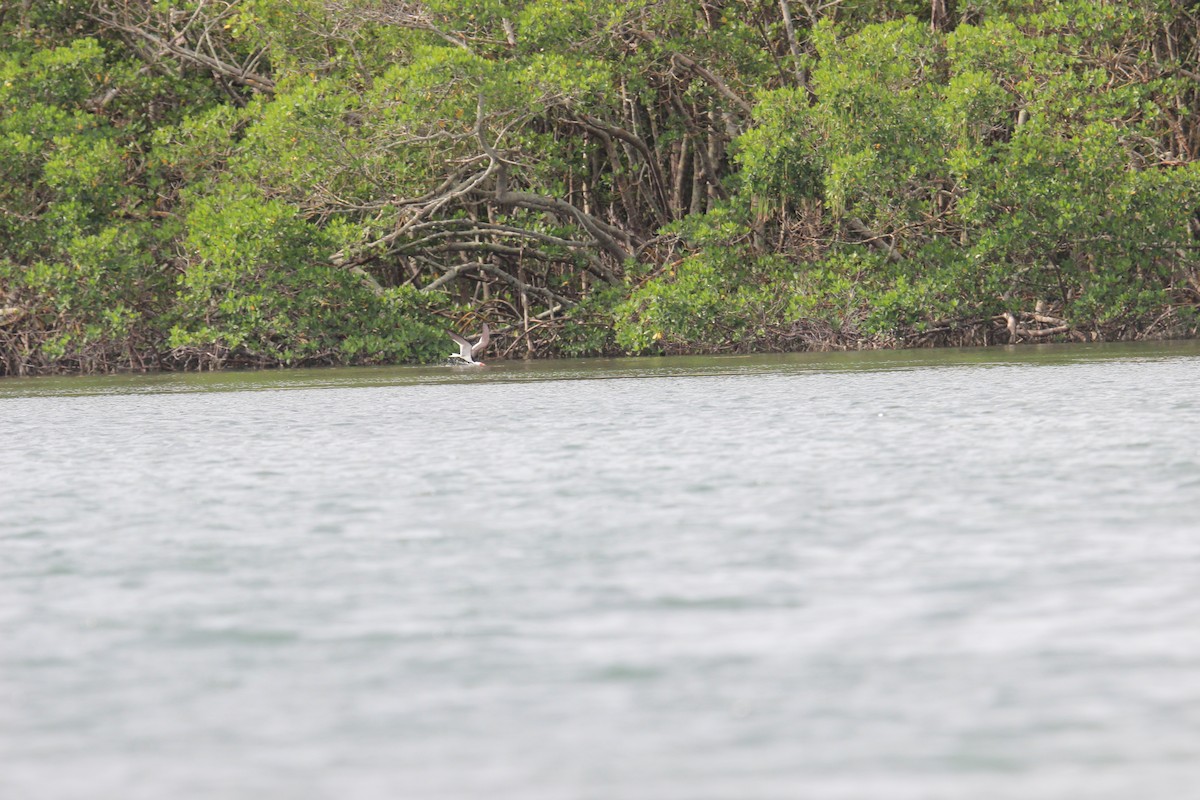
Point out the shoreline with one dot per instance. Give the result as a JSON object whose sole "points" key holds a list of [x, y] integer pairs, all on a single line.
{"points": [[968, 338]]}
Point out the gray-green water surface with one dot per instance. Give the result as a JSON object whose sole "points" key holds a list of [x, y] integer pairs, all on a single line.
{"points": [[951, 574]]}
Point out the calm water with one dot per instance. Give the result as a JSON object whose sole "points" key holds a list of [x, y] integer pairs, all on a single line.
{"points": [[970, 574]]}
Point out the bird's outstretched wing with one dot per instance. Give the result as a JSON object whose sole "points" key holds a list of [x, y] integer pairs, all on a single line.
{"points": [[464, 347], [482, 344]]}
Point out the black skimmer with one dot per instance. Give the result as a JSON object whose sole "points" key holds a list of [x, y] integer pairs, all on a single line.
{"points": [[467, 351]]}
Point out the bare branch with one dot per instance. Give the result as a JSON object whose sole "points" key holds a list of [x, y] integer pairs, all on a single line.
{"points": [[401, 13], [718, 84], [241, 75]]}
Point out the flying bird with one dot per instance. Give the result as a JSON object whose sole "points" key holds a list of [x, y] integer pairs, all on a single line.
{"points": [[467, 351]]}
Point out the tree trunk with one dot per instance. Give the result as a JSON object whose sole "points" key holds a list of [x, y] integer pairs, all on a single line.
{"points": [[939, 19], [790, 30]]}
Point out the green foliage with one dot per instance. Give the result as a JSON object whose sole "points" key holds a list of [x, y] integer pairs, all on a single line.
{"points": [[159, 209], [780, 157], [262, 287], [723, 297], [1002, 165], [588, 331], [878, 91]]}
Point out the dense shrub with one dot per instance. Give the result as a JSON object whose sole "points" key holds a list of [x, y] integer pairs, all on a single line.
{"points": [[260, 182]]}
